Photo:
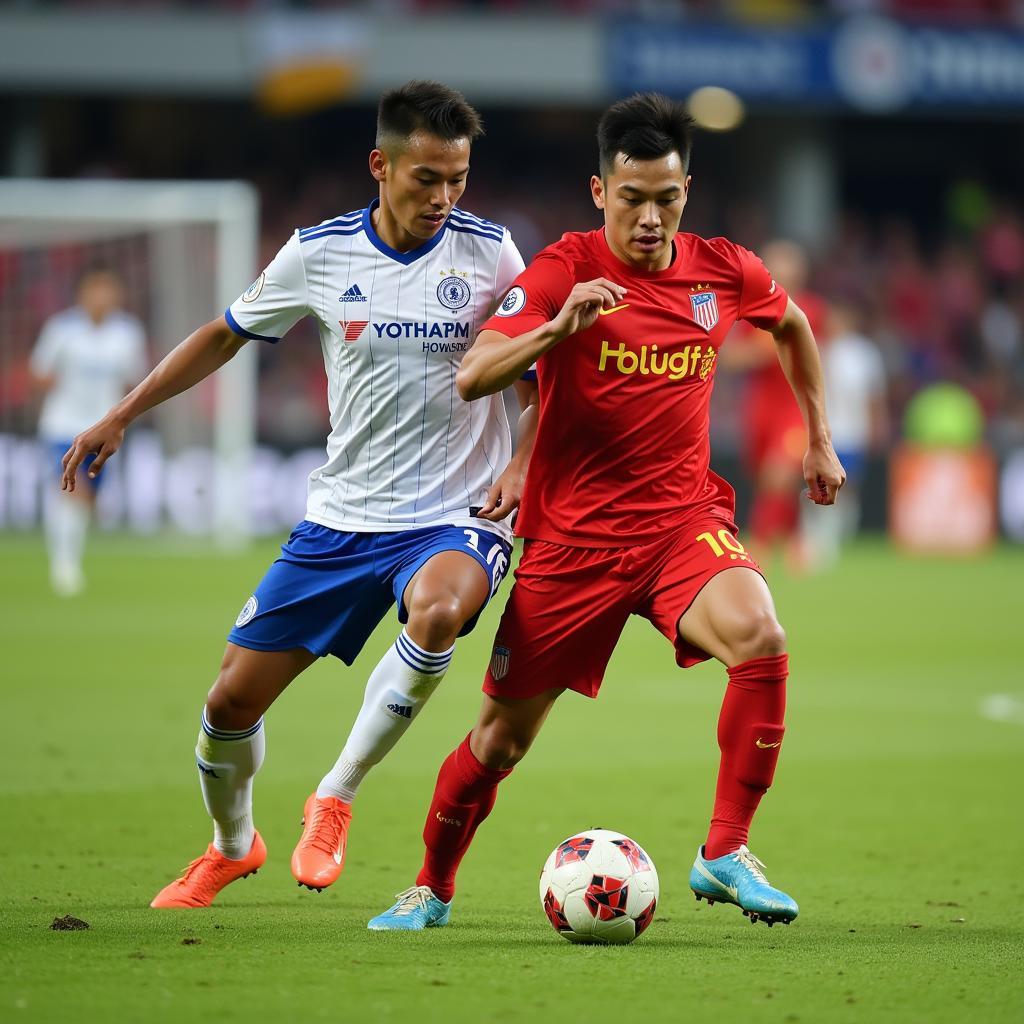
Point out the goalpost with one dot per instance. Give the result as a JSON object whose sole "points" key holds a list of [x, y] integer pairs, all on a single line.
{"points": [[187, 250]]}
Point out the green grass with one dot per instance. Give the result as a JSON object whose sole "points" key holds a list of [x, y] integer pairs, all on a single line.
{"points": [[895, 820]]}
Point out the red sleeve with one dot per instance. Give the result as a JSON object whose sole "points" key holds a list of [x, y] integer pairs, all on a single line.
{"points": [[762, 301], [535, 297]]}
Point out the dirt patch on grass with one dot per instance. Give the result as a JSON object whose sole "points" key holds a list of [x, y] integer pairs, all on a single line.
{"points": [[67, 923]]}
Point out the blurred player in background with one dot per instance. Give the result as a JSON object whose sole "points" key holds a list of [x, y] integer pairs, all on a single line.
{"points": [[409, 506], [856, 393], [775, 434], [621, 514], [85, 360]]}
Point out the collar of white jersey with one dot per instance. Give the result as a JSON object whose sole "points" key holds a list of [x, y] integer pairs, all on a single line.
{"points": [[399, 257]]}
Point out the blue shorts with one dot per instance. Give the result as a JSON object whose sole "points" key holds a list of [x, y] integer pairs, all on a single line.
{"points": [[329, 590], [56, 454]]}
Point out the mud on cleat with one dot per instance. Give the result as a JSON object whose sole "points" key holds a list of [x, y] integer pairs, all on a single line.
{"points": [[417, 908], [739, 878]]}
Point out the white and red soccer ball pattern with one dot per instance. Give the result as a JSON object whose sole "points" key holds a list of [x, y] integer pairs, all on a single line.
{"points": [[599, 886]]}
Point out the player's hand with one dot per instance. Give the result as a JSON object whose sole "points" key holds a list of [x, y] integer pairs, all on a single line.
{"points": [[505, 494], [102, 439], [823, 473], [584, 304]]}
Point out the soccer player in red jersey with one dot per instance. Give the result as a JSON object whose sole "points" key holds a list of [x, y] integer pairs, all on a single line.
{"points": [[774, 430], [621, 513]]}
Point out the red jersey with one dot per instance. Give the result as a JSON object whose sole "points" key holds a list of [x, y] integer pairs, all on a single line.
{"points": [[622, 452]]}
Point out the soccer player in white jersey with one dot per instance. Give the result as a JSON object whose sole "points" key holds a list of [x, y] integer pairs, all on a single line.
{"points": [[86, 358], [409, 505]]}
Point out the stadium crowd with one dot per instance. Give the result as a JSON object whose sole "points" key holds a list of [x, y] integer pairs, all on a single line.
{"points": [[756, 10]]}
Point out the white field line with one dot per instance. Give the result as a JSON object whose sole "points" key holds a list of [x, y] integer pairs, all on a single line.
{"points": [[1002, 707]]}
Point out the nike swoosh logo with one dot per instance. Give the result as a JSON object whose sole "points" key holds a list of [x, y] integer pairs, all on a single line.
{"points": [[337, 857], [614, 309], [730, 889], [767, 746]]}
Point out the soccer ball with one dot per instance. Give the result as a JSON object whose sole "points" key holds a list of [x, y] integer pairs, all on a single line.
{"points": [[599, 886]]}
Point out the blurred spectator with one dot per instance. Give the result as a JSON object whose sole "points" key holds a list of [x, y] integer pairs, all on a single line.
{"points": [[775, 437], [855, 395]]}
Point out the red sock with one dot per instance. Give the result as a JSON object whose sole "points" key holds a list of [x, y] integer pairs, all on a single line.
{"points": [[463, 797], [749, 734]]}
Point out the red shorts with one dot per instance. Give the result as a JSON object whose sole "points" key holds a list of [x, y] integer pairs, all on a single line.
{"points": [[569, 605]]}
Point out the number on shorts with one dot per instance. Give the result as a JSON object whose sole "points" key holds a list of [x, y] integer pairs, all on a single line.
{"points": [[726, 543], [495, 558]]}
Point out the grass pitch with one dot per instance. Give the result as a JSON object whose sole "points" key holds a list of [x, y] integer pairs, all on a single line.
{"points": [[895, 820]]}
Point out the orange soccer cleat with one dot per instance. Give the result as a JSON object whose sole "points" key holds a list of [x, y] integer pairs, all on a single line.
{"points": [[320, 854], [207, 875]]}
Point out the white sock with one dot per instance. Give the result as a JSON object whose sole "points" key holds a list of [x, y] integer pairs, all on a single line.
{"points": [[67, 520], [397, 688], [227, 763]]}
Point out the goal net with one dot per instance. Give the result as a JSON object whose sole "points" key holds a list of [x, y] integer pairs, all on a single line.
{"points": [[184, 251]]}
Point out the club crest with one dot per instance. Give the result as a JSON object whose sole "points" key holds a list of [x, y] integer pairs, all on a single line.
{"points": [[247, 612], [705, 309], [499, 661], [453, 292]]}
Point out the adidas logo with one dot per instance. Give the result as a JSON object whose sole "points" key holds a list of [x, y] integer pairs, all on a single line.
{"points": [[352, 295], [400, 709]]}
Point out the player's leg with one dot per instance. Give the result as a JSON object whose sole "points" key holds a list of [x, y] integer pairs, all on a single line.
{"points": [[319, 597], [775, 507], [466, 789], [778, 447], [560, 625], [442, 596], [229, 753], [445, 592], [733, 619], [66, 524]]}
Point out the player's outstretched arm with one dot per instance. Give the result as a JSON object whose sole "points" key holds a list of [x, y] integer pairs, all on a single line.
{"points": [[798, 353], [202, 352], [507, 491], [495, 361]]}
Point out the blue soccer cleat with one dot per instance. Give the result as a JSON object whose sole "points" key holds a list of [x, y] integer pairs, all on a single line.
{"points": [[417, 908], [739, 878]]}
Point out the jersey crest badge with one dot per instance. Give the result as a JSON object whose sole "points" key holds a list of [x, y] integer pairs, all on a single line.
{"points": [[252, 293], [453, 292], [512, 303], [247, 612], [705, 308], [500, 657]]}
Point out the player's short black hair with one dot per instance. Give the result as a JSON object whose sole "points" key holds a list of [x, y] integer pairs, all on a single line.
{"points": [[644, 126], [425, 106]]}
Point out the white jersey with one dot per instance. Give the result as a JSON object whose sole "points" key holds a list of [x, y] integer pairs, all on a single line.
{"points": [[94, 365], [405, 451]]}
